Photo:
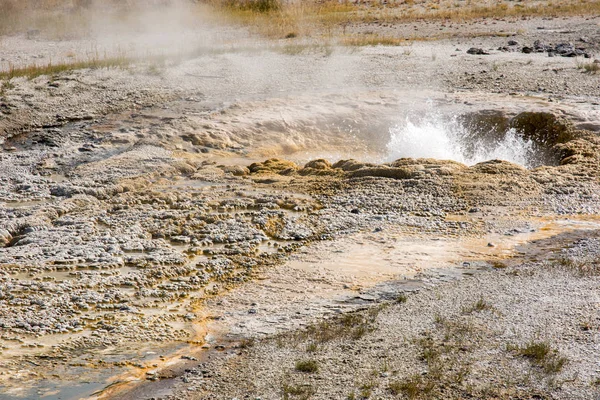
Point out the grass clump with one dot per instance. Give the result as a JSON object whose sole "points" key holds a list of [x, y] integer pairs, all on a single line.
{"points": [[300, 392], [580, 268], [308, 366], [589, 67], [479, 306], [401, 298], [413, 387], [366, 389], [349, 326], [312, 347], [541, 354]]}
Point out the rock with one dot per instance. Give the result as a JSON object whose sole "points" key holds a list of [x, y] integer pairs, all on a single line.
{"points": [[351, 165], [318, 164], [235, 170], [5, 237], [513, 43], [477, 51], [540, 47], [318, 167], [274, 166]]}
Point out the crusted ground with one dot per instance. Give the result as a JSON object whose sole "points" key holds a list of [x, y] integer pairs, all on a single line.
{"points": [[238, 193]]}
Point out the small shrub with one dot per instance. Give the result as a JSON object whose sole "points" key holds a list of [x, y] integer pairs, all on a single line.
{"points": [[308, 366]]}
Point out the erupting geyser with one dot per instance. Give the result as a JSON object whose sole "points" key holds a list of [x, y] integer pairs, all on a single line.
{"points": [[474, 138]]}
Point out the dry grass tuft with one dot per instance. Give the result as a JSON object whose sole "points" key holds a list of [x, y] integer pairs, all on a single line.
{"points": [[374, 40], [479, 306], [580, 268], [349, 326], [300, 392], [589, 67], [541, 354], [35, 70], [308, 366]]}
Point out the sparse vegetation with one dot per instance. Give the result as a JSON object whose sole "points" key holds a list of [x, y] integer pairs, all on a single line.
{"points": [[257, 6], [478, 306], [578, 267], [589, 67], [351, 325], [299, 392], [413, 387], [373, 40], [308, 366], [312, 347], [541, 354], [366, 389], [247, 343], [35, 70], [401, 298], [328, 18]]}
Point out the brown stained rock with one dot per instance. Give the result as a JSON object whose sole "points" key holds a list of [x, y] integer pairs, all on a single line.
{"points": [[351, 165], [543, 127], [274, 166], [235, 170], [320, 167], [318, 164], [385, 172], [499, 167]]}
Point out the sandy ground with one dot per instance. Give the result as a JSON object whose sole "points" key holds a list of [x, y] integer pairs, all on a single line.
{"points": [[149, 251]]}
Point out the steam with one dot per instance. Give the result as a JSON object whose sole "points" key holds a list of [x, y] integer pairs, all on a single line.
{"points": [[447, 139]]}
